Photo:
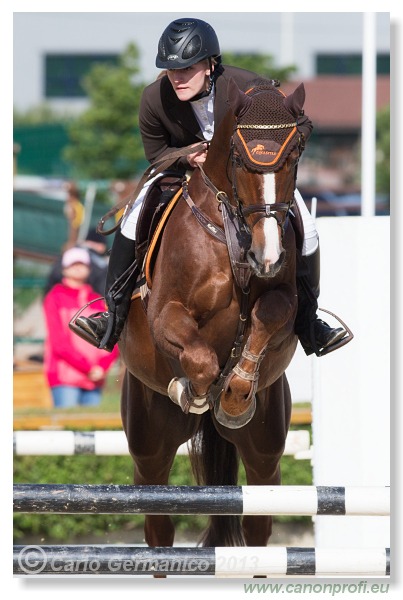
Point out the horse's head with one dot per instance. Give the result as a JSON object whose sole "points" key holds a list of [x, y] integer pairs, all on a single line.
{"points": [[270, 132]]}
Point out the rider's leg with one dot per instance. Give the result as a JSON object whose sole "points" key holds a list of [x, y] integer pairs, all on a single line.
{"points": [[314, 334], [103, 329]]}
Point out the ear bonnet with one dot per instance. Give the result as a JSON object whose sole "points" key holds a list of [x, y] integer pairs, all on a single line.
{"points": [[267, 124]]}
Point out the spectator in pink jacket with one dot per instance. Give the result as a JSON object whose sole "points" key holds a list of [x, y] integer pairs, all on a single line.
{"points": [[75, 370]]}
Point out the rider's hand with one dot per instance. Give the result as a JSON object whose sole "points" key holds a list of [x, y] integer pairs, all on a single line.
{"points": [[96, 373], [197, 157]]}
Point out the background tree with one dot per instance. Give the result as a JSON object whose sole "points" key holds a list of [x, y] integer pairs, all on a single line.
{"points": [[39, 115], [105, 140], [259, 63]]}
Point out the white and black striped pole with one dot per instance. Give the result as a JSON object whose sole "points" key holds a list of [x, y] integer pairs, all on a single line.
{"points": [[199, 500], [216, 562]]}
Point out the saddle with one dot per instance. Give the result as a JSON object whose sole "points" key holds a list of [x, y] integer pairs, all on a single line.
{"points": [[154, 204]]}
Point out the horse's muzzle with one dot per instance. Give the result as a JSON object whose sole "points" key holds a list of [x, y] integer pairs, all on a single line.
{"points": [[265, 270]]}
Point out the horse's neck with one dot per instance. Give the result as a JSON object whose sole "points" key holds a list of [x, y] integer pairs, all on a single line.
{"points": [[217, 161]]}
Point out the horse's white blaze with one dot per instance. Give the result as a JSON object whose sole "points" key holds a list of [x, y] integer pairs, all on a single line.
{"points": [[271, 252]]}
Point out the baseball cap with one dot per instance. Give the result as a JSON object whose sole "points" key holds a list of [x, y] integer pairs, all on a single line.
{"points": [[75, 255]]}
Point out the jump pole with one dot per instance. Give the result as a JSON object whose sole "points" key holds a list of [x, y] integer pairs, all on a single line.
{"points": [[198, 500], [114, 443], [215, 562]]}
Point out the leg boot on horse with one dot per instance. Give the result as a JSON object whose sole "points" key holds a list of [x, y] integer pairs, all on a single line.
{"points": [[314, 334], [103, 329]]}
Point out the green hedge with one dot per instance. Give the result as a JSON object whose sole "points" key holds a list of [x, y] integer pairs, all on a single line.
{"points": [[49, 528]]}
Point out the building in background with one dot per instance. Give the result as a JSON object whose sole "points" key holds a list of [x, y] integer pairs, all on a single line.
{"points": [[52, 51]]}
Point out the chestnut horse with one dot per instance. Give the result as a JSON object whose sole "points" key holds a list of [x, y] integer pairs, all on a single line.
{"points": [[219, 326]]}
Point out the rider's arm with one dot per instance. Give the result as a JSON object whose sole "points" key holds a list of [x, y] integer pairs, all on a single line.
{"points": [[158, 141]]}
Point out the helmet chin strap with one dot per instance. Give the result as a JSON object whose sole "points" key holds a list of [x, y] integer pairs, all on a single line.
{"points": [[213, 76]]}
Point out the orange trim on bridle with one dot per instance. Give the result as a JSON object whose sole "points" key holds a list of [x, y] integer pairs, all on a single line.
{"points": [[253, 88], [277, 154]]}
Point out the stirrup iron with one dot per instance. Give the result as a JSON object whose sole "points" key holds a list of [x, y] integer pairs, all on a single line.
{"points": [[341, 342]]}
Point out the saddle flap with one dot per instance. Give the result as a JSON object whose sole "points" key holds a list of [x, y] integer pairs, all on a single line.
{"points": [[155, 241], [155, 201]]}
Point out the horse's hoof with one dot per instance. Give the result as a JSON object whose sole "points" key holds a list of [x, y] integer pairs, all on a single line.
{"points": [[231, 421], [179, 393]]}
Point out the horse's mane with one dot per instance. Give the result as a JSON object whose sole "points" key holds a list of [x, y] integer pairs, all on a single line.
{"points": [[262, 83]]}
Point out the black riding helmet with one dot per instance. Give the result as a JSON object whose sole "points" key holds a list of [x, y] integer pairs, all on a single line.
{"points": [[186, 42]]}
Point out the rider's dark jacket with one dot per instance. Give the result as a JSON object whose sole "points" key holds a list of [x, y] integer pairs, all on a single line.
{"points": [[167, 123]]}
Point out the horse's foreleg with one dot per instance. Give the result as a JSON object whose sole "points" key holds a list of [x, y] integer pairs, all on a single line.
{"points": [[176, 333], [272, 321]]}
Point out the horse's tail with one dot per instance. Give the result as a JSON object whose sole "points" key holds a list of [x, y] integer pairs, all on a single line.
{"points": [[216, 462]]}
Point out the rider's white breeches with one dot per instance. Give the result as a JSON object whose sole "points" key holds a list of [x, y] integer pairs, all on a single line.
{"points": [[129, 221], [311, 237]]}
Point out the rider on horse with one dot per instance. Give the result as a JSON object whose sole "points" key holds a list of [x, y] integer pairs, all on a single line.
{"points": [[181, 108]]}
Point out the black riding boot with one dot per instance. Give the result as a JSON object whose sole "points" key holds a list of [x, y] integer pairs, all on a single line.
{"points": [[314, 334], [103, 329]]}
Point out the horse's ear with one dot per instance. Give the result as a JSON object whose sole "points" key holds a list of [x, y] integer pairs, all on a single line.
{"points": [[295, 101], [237, 99]]}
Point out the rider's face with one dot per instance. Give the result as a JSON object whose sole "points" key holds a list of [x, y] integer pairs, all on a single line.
{"points": [[190, 81]]}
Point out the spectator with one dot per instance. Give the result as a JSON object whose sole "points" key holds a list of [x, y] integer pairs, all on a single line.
{"points": [[75, 370], [96, 245]]}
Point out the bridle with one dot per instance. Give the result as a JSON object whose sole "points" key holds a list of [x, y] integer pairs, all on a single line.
{"points": [[277, 210]]}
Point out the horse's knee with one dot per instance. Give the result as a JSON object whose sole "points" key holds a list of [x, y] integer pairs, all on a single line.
{"points": [[200, 363]]}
